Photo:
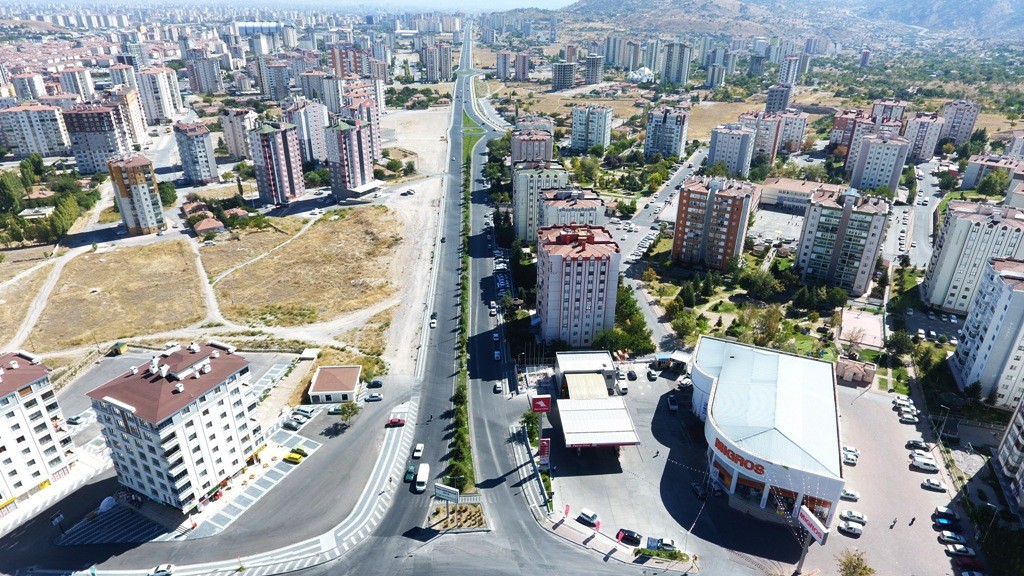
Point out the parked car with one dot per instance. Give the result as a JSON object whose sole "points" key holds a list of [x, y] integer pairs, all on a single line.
{"points": [[947, 523], [851, 450], [395, 423], [163, 570], [75, 420], [930, 484], [960, 550], [588, 517], [853, 516], [631, 375], [630, 537], [921, 454], [917, 445], [497, 388], [417, 451], [851, 495], [951, 537], [433, 323], [291, 424], [699, 490], [375, 397], [849, 459], [652, 375], [851, 528], [300, 450], [292, 458], [668, 544], [673, 405], [908, 419], [375, 383]]}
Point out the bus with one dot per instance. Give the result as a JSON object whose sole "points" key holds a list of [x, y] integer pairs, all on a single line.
{"points": [[422, 476]]}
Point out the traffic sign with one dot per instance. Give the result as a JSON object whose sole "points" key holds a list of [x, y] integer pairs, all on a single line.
{"points": [[442, 492]]}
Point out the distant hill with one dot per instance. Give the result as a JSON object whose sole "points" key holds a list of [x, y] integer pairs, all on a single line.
{"points": [[979, 18]]}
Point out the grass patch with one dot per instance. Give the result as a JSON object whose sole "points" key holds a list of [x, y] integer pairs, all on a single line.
{"points": [[14, 262], [239, 246], [15, 301], [369, 338], [109, 215], [883, 384], [121, 293], [457, 517], [666, 554], [337, 266]]}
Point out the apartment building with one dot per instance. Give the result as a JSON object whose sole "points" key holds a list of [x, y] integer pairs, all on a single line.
{"points": [[368, 113], [522, 67], [1015, 147], [311, 120], [666, 131], [789, 69], [123, 74], [565, 206], [195, 147], [888, 109], [35, 128], [161, 97], [137, 194], [843, 124], [577, 282], [971, 234], [444, 62], [28, 86], [236, 124], [676, 67], [528, 179], [349, 157], [531, 146], [867, 126], [880, 162], [923, 132], [97, 135], [503, 65], [36, 447], [841, 239], [1009, 457], [960, 116], [591, 126], [204, 76], [981, 165], [275, 82], [277, 160], [179, 426], [733, 145], [544, 124], [711, 220], [563, 75], [767, 129], [778, 98], [128, 110], [593, 69], [431, 64], [77, 80], [792, 130], [991, 345]]}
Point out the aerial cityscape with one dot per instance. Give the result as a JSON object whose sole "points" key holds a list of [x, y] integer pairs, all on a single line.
{"points": [[552, 286]]}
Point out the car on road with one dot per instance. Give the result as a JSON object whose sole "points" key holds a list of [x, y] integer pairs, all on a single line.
{"points": [[588, 517], [292, 458], [497, 355], [851, 450], [960, 550], [652, 375], [851, 528], [375, 383], [699, 490], [929, 484], [497, 388], [433, 323], [395, 423], [917, 445], [495, 336], [631, 375], [410, 473], [951, 537], [851, 495], [908, 419], [75, 420], [849, 459], [291, 424], [853, 516], [631, 537], [673, 405], [163, 570], [375, 397]]}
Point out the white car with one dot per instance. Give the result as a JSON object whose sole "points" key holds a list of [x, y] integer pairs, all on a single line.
{"points": [[849, 459], [853, 516], [163, 570], [433, 323], [960, 550], [929, 484], [908, 419], [417, 452], [851, 450], [921, 454], [952, 538], [850, 495], [851, 528]]}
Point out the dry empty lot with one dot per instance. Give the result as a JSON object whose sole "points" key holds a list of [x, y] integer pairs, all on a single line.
{"points": [[121, 293], [343, 263], [370, 337], [15, 300], [704, 116], [236, 247], [14, 262]]}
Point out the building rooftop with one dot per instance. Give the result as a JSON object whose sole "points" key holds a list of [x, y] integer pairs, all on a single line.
{"points": [[603, 422], [30, 108], [17, 370], [584, 361], [191, 128], [807, 186], [781, 407], [576, 241], [837, 199], [334, 379], [272, 127], [137, 161], [152, 392], [722, 186], [1010, 271], [997, 161], [983, 213]]}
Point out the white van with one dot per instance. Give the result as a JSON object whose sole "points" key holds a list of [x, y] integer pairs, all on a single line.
{"points": [[926, 465], [622, 386], [306, 411], [615, 221], [422, 477]]}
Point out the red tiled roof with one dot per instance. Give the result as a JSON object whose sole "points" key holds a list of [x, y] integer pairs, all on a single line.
{"points": [[14, 379], [332, 379]]}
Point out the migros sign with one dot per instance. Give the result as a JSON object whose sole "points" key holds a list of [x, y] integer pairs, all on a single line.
{"points": [[743, 462]]}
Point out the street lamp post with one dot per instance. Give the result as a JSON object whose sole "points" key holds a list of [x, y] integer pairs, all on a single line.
{"points": [[993, 508], [945, 417]]}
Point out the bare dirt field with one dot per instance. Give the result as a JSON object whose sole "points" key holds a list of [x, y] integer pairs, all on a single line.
{"points": [[14, 262], [121, 293], [218, 191], [343, 263], [370, 337], [236, 247], [561, 103], [15, 300], [483, 57], [704, 116]]}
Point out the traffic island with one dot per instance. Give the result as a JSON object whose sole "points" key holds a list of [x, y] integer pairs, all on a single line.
{"points": [[458, 517]]}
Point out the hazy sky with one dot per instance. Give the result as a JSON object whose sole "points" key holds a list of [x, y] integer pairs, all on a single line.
{"points": [[467, 5]]}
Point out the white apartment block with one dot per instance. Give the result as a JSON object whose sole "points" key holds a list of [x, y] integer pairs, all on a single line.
{"points": [[310, 119], [991, 347], [36, 447], [923, 132], [666, 131], [28, 86], [528, 179], [1015, 147], [889, 109], [981, 165], [794, 127], [880, 162], [733, 145], [841, 239], [864, 127], [591, 126], [205, 76], [767, 129], [676, 67], [1010, 456], [531, 146], [789, 69], [136, 194], [123, 74], [972, 234], [77, 80], [236, 124], [161, 96], [179, 426], [960, 116], [562, 207], [195, 147], [577, 282], [98, 134], [34, 128]]}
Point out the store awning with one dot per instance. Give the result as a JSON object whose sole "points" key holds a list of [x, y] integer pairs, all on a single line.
{"points": [[596, 423]]}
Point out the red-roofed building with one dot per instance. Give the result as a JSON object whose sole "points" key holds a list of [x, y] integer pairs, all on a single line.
{"points": [[208, 225], [332, 384]]}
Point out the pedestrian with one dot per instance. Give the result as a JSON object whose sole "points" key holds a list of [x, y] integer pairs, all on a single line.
{"points": [[657, 453], [912, 520]]}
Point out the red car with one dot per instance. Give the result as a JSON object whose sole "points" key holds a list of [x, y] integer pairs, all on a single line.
{"points": [[967, 563], [395, 423]]}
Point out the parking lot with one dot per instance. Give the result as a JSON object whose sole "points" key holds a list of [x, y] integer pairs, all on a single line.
{"points": [[931, 325]]}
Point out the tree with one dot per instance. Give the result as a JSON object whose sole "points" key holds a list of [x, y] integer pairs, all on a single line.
{"points": [[11, 191], [349, 410], [852, 563], [409, 168], [717, 169], [649, 275], [899, 343], [64, 216], [168, 193], [994, 183], [588, 169], [973, 391], [759, 283]]}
